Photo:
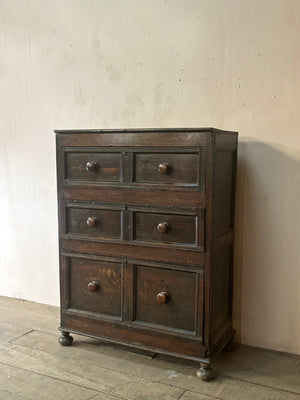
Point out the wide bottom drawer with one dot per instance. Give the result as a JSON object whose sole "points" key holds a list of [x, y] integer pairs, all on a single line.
{"points": [[152, 297]]}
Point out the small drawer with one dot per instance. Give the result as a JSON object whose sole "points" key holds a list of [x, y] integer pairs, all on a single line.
{"points": [[165, 228], [169, 298], [95, 286], [167, 168], [93, 167], [104, 223]]}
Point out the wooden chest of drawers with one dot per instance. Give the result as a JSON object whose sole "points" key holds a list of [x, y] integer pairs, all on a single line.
{"points": [[146, 238]]}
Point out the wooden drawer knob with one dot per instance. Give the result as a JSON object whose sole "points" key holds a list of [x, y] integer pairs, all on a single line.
{"points": [[91, 221], [93, 286], [163, 168], [162, 227], [162, 297], [91, 166]]}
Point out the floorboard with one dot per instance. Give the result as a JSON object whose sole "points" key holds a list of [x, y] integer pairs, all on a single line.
{"points": [[34, 366]]}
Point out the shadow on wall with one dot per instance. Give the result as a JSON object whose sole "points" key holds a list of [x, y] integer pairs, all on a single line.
{"points": [[266, 306]]}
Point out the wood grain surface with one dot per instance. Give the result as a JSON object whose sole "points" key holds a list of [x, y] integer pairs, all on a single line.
{"points": [[34, 366]]}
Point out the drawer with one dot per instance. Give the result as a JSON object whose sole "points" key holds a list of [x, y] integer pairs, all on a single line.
{"points": [[165, 228], [94, 286], [99, 222], [167, 168], [128, 166], [169, 299], [138, 225], [92, 166]]}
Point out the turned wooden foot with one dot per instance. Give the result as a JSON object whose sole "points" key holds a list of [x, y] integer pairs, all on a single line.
{"points": [[66, 339], [231, 345], [205, 372]]}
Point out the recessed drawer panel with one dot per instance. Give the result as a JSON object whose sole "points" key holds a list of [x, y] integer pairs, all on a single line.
{"points": [[94, 222], [167, 168], [95, 286], [165, 228], [93, 166], [167, 298]]}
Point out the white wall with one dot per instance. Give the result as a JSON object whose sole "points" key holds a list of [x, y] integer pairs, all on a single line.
{"points": [[231, 64]]}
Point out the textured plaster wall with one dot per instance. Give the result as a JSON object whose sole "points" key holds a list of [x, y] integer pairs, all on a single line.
{"points": [[231, 64]]}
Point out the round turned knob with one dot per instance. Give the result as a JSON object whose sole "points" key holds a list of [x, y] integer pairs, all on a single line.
{"points": [[162, 297], [162, 227], [163, 168], [93, 286], [91, 166], [91, 221]]}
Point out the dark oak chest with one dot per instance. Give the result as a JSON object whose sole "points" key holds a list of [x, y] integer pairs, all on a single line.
{"points": [[146, 238]]}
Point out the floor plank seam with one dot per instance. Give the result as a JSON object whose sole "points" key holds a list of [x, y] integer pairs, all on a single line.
{"points": [[234, 379], [107, 394], [36, 329], [113, 395], [260, 384], [251, 382], [180, 396], [18, 337], [208, 395], [173, 384], [66, 381], [126, 373]]}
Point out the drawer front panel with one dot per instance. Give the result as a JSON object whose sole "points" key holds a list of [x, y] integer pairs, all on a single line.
{"points": [[95, 286], [167, 168], [155, 167], [165, 228], [92, 166], [166, 298], [94, 222]]}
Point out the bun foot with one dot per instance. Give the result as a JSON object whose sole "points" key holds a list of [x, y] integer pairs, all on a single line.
{"points": [[205, 372], [231, 345], [66, 339]]}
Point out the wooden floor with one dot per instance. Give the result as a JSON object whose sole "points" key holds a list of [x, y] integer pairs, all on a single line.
{"points": [[34, 366]]}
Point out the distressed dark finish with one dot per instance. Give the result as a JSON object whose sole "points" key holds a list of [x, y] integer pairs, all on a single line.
{"points": [[133, 167], [179, 229], [223, 198], [205, 372], [176, 290], [137, 138], [146, 238], [138, 250], [94, 222], [125, 195], [166, 168], [95, 286], [65, 339], [221, 307], [92, 166]]}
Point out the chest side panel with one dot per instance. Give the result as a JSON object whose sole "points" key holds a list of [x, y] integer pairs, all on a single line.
{"points": [[222, 253]]}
